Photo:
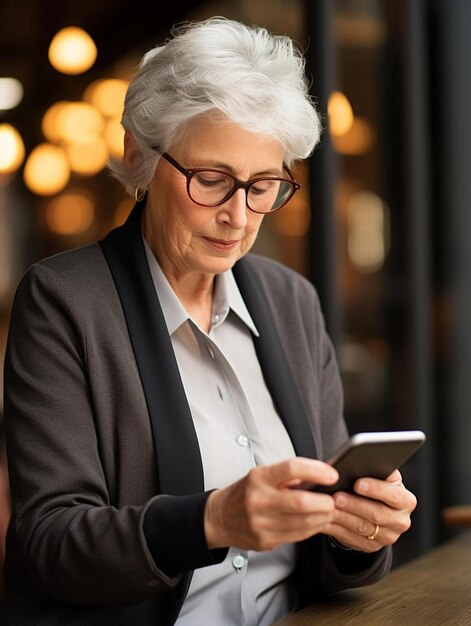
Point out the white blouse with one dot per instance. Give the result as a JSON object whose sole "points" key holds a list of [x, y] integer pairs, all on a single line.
{"points": [[238, 428]]}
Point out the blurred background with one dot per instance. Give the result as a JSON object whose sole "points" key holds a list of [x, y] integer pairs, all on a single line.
{"points": [[381, 225]]}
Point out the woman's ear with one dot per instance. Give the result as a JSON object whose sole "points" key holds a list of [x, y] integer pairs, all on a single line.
{"points": [[130, 148]]}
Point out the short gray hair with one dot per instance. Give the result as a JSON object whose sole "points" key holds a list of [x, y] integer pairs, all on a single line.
{"points": [[254, 78]]}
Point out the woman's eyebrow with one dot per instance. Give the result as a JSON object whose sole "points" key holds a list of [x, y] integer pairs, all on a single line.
{"points": [[275, 171]]}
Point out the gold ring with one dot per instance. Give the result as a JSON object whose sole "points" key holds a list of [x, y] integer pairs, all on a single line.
{"points": [[374, 534]]}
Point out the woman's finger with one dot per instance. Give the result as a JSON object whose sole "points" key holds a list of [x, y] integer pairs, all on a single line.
{"points": [[373, 511], [350, 539], [394, 494], [298, 469], [365, 527]]}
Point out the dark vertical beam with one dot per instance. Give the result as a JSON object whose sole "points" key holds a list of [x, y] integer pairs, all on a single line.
{"points": [[419, 211], [455, 85], [321, 68]]}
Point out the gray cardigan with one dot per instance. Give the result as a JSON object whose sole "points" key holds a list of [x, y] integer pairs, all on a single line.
{"points": [[105, 472]]}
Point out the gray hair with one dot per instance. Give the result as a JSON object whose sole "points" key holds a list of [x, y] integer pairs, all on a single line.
{"points": [[255, 79]]}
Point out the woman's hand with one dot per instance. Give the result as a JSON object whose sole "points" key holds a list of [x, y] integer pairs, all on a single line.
{"points": [[376, 517], [262, 511]]}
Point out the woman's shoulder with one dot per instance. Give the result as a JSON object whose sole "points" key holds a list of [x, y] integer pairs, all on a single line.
{"points": [[74, 274], [86, 258]]}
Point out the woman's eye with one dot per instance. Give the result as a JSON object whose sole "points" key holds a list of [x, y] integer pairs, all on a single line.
{"points": [[210, 181], [263, 186]]}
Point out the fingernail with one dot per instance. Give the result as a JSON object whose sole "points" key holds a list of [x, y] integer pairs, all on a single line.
{"points": [[363, 486], [340, 500], [333, 476]]}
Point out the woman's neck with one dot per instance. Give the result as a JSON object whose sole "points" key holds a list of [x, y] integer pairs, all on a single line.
{"points": [[195, 292], [193, 289]]}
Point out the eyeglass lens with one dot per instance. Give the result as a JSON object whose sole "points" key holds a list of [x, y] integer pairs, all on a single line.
{"points": [[211, 188]]}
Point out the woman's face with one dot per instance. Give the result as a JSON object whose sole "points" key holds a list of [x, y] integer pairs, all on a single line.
{"points": [[188, 238]]}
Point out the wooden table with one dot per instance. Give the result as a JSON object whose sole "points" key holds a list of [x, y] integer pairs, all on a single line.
{"points": [[435, 589]]}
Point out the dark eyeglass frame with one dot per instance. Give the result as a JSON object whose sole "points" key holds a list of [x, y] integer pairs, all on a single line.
{"points": [[238, 184]]}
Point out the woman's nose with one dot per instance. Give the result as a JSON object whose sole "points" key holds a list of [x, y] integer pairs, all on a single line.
{"points": [[235, 209]]}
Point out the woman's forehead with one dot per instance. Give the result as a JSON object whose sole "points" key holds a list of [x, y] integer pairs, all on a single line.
{"points": [[218, 142]]}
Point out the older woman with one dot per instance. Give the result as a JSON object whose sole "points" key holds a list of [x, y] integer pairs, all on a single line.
{"points": [[165, 389]]}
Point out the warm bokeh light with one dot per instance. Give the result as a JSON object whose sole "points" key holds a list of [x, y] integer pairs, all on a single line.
{"points": [[114, 137], [340, 114], [368, 238], [50, 125], [360, 139], [46, 171], [88, 158], [77, 122], [70, 213], [12, 149], [72, 51], [107, 95], [11, 93]]}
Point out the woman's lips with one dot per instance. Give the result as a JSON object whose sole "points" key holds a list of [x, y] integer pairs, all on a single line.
{"points": [[221, 244]]}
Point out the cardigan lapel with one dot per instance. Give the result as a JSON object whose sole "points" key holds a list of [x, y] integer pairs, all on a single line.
{"points": [[275, 367], [176, 447]]}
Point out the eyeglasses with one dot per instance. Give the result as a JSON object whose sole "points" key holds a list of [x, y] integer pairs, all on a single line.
{"points": [[209, 187]]}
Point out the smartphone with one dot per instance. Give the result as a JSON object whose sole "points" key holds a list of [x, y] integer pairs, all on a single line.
{"points": [[375, 454]]}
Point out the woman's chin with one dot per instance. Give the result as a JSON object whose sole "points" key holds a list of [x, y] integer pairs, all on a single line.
{"points": [[217, 264]]}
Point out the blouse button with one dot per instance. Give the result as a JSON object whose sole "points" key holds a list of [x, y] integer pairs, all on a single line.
{"points": [[238, 562], [243, 441]]}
